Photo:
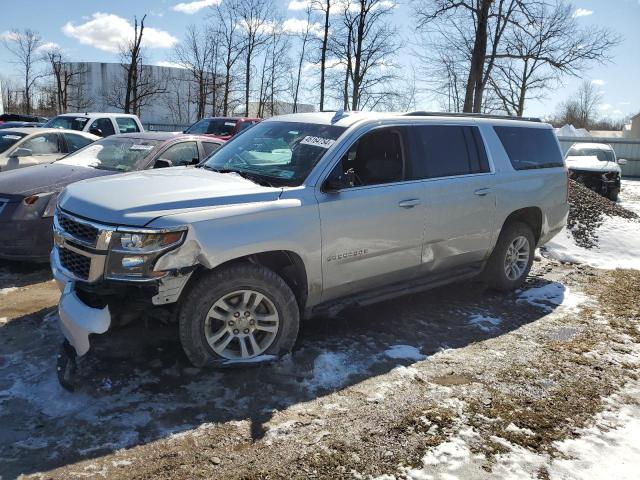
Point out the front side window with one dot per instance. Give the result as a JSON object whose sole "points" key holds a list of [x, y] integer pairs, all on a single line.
{"points": [[185, 153], [278, 153], [530, 148], [46, 144], [214, 126], [376, 158], [76, 142], [70, 123], [9, 139], [122, 154], [600, 153], [209, 148], [447, 150], [127, 125], [104, 125]]}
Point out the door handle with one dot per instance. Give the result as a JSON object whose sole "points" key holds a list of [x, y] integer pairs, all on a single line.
{"points": [[481, 192], [409, 203]]}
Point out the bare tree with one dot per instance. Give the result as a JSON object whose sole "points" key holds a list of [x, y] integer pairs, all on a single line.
{"points": [[139, 85], [365, 47], [325, 7], [195, 54], [487, 20], [24, 45], [304, 40], [276, 68], [256, 25], [552, 46], [10, 94], [582, 108], [226, 29], [68, 79]]}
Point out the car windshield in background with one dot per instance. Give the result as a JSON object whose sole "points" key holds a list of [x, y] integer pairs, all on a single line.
{"points": [[276, 153], [602, 155], [115, 154], [8, 139], [71, 123], [218, 126]]}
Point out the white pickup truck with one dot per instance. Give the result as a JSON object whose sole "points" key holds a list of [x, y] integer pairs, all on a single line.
{"points": [[96, 123]]}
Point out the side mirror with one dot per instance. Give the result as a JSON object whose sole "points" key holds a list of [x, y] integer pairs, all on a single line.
{"points": [[622, 161], [162, 163], [22, 152], [334, 184], [95, 131]]}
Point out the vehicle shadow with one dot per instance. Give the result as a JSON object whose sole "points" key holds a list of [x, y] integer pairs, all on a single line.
{"points": [[137, 386], [22, 274]]}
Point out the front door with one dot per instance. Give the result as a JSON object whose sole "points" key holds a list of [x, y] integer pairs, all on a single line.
{"points": [[371, 229]]}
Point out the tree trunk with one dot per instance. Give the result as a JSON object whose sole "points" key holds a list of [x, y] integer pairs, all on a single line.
{"points": [[323, 54], [473, 95]]}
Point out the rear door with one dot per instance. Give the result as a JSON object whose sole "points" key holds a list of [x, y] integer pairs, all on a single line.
{"points": [[371, 231], [460, 202]]}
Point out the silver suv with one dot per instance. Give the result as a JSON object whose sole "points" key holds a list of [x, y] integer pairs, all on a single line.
{"points": [[304, 214]]}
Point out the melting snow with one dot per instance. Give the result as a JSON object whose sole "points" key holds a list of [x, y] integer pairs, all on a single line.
{"points": [[552, 295], [331, 370], [618, 246], [404, 351], [484, 323], [5, 291]]}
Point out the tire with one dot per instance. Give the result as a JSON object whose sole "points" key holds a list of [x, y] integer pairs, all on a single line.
{"points": [[495, 273], [613, 194], [241, 301]]}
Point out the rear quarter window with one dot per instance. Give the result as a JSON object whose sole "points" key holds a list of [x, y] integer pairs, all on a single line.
{"points": [[530, 148]]}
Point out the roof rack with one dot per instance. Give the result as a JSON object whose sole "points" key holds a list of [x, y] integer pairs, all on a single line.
{"points": [[474, 115]]}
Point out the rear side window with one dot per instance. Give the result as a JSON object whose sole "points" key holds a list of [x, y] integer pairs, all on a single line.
{"points": [[530, 148], [75, 142], [127, 125], [209, 148], [446, 151], [105, 125]]}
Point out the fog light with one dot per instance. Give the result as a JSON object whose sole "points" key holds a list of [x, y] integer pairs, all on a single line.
{"points": [[132, 262]]}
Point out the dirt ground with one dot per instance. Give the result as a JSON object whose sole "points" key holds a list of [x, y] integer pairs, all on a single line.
{"points": [[364, 394]]}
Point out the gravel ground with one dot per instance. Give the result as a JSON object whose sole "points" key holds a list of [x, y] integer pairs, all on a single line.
{"points": [[397, 390], [586, 212]]}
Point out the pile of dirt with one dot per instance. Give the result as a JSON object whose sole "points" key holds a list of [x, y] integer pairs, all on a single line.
{"points": [[586, 211]]}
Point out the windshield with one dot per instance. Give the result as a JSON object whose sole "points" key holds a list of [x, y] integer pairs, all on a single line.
{"points": [[602, 155], [278, 153], [8, 139], [71, 123], [111, 153], [214, 126]]}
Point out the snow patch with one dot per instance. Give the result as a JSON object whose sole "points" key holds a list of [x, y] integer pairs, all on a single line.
{"points": [[618, 246], [331, 370], [485, 323], [405, 352], [5, 291], [552, 295]]}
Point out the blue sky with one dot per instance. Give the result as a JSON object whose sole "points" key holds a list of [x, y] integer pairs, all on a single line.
{"points": [[81, 26]]}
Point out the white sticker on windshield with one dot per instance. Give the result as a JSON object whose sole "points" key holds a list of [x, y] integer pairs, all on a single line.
{"points": [[317, 141], [230, 124], [12, 137], [141, 147]]}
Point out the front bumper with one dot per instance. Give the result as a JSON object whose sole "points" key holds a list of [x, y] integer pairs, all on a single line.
{"points": [[78, 320], [30, 239]]}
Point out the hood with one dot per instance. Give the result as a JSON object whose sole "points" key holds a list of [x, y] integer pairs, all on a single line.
{"points": [[44, 178], [591, 164], [137, 198]]}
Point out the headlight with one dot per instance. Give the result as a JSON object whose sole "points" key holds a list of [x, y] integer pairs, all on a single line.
{"points": [[147, 242], [133, 255]]}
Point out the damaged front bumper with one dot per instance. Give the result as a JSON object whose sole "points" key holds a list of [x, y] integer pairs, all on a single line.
{"points": [[78, 320]]}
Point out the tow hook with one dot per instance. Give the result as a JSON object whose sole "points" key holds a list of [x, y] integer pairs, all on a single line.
{"points": [[67, 366]]}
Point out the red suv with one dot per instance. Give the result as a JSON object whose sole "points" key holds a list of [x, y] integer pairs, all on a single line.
{"points": [[221, 127]]}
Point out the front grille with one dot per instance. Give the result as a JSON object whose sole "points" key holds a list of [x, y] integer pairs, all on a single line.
{"points": [[81, 231], [77, 264]]}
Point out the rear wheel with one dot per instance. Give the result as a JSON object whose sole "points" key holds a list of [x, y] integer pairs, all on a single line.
{"points": [[241, 313], [512, 257]]}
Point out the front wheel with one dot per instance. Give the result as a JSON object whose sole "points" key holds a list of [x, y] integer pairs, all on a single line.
{"points": [[512, 257], [242, 313], [613, 194]]}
